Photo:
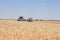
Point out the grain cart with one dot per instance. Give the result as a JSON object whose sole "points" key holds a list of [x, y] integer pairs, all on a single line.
{"points": [[30, 20]]}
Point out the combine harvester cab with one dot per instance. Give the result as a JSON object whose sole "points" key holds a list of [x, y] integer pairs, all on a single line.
{"points": [[20, 18]]}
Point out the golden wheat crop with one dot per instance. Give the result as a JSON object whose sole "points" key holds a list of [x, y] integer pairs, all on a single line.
{"points": [[36, 30]]}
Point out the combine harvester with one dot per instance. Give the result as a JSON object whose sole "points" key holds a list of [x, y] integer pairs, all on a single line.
{"points": [[21, 18]]}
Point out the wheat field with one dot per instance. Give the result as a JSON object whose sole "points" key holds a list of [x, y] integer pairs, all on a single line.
{"points": [[36, 30]]}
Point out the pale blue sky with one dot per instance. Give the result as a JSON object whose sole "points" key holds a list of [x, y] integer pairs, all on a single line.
{"points": [[42, 9]]}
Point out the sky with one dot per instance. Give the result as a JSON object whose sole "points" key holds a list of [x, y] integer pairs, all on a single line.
{"points": [[38, 9]]}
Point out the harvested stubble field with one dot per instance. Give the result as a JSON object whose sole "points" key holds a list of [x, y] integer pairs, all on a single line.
{"points": [[37, 30]]}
